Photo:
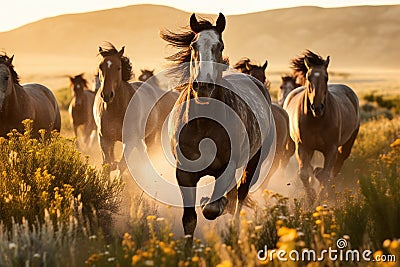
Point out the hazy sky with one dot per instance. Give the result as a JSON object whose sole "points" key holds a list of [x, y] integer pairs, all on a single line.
{"points": [[16, 13]]}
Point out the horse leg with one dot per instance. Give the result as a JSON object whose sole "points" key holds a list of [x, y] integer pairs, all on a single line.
{"points": [[252, 171], [107, 148], [75, 127], [303, 156], [330, 155], [344, 153], [214, 207], [187, 183], [288, 153]]}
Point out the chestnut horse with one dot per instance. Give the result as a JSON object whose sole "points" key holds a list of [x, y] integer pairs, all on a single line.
{"points": [[81, 109], [284, 144], [323, 117], [112, 100], [28, 101], [206, 91]]}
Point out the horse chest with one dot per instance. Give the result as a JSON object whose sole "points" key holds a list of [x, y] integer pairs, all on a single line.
{"points": [[206, 140]]}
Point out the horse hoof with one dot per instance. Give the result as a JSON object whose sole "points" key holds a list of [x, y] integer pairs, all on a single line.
{"points": [[212, 210]]}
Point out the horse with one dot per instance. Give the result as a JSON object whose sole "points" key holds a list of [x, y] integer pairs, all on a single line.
{"points": [[288, 84], [112, 100], [81, 109], [29, 101], [284, 144], [323, 117], [200, 64], [246, 66]]}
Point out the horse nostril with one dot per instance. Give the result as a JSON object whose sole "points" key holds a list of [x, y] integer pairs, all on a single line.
{"points": [[111, 94], [102, 94], [322, 106]]}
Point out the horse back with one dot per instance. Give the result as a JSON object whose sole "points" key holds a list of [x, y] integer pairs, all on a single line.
{"points": [[44, 106]]}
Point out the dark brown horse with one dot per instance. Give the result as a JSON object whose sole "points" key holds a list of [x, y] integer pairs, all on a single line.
{"points": [[284, 144], [323, 118], [28, 101], [288, 84], [246, 66], [112, 100], [210, 95], [81, 109]]}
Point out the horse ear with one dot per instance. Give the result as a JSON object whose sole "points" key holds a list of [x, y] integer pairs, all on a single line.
{"points": [[9, 61], [326, 63], [307, 63], [248, 66], [265, 65], [121, 52], [194, 24], [71, 79], [152, 71], [100, 49], [221, 22]]}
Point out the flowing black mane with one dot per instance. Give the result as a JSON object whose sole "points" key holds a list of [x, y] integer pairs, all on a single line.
{"points": [[298, 65], [4, 59], [108, 50], [182, 40]]}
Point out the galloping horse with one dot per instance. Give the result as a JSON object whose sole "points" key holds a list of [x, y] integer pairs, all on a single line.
{"points": [[112, 100], [322, 117], [288, 84], [81, 108], [200, 64], [28, 101], [284, 144]]}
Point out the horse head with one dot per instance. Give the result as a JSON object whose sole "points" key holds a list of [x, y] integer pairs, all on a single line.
{"points": [[316, 84], [145, 75], [288, 84], [206, 64], [110, 71]]}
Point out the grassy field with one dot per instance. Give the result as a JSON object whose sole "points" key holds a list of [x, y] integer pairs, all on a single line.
{"points": [[59, 207]]}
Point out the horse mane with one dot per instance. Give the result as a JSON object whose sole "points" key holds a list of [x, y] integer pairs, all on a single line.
{"points": [[4, 59], [182, 40], [298, 65], [109, 49], [241, 65]]}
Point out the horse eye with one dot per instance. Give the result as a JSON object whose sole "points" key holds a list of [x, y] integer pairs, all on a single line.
{"points": [[6, 78]]}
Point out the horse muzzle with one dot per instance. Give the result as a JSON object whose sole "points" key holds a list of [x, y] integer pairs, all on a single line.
{"points": [[318, 111], [107, 97], [204, 89]]}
